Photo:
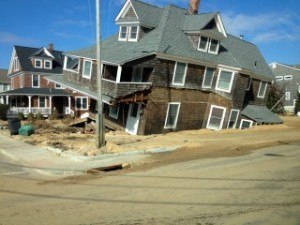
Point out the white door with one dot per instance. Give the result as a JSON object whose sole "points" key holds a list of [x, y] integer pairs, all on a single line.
{"points": [[133, 118]]}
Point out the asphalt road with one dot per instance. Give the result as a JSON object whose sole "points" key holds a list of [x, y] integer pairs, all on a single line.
{"points": [[260, 188]]}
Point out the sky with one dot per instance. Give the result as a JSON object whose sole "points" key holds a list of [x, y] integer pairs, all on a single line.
{"points": [[273, 25]]}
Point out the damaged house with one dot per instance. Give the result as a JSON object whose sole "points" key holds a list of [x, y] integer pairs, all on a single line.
{"points": [[170, 69]]}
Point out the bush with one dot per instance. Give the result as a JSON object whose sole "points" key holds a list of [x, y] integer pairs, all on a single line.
{"points": [[54, 115], [274, 98], [3, 111], [39, 116], [30, 117], [20, 116]]}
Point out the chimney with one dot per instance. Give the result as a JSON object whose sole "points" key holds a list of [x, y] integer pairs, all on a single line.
{"points": [[50, 47], [194, 6], [242, 36]]}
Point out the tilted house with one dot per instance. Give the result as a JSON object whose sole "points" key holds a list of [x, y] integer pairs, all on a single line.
{"points": [[170, 69], [288, 78], [31, 92]]}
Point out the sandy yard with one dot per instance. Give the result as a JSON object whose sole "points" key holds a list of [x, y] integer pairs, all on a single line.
{"points": [[57, 134]]}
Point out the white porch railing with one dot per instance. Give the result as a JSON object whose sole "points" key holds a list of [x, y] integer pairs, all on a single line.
{"points": [[34, 110]]}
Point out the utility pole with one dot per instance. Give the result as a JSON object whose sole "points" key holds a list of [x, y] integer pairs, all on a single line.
{"points": [[100, 129]]}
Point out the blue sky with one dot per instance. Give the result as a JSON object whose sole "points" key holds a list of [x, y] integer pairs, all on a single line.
{"points": [[273, 25]]}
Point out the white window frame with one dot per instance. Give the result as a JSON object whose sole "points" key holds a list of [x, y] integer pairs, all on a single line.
{"points": [[65, 65], [244, 120], [39, 102], [184, 74], [88, 76], [209, 117], [39, 81], [217, 49], [287, 96], [237, 117], [16, 64], [249, 84], [264, 93], [208, 44], [177, 114], [5, 87], [231, 81], [203, 82], [299, 88], [294, 102], [81, 97], [115, 116], [288, 77], [129, 33], [278, 78], [38, 60], [50, 63], [123, 39]]}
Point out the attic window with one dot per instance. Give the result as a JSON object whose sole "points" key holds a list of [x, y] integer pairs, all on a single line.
{"points": [[128, 33], [48, 64], [16, 64], [208, 45], [262, 89], [38, 63]]}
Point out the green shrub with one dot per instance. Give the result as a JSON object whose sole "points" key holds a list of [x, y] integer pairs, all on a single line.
{"points": [[30, 117], [3, 111], [39, 116], [54, 115], [297, 107], [20, 115]]}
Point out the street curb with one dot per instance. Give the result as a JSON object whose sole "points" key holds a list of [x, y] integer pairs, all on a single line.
{"points": [[76, 156]]}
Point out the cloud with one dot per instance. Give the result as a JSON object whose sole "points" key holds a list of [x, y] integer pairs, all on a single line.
{"points": [[10, 38], [264, 27]]}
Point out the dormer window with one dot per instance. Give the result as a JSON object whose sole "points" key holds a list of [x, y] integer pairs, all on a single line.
{"points": [[48, 64], [38, 63], [208, 45], [71, 64], [128, 33]]}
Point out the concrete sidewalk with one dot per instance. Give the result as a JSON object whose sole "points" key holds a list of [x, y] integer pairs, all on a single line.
{"points": [[50, 162]]}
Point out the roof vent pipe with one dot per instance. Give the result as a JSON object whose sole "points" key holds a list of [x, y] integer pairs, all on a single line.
{"points": [[50, 47], [242, 36], [194, 6]]}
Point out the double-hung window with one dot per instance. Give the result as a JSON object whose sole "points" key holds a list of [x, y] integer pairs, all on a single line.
{"points": [[262, 90], [123, 33], [208, 45], [35, 81], [208, 77], [16, 64], [133, 34], [172, 115], [87, 69], [47, 64], [38, 63], [128, 33], [179, 74], [245, 124], [234, 114], [216, 117], [287, 96], [225, 80], [42, 102], [5, 87], [114, 112], [81, 103]]}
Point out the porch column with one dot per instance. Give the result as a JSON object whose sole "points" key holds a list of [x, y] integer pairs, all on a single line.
{"points": [[119, 72], [7, 100], [69, 104], [29, 104], [50, 104]]}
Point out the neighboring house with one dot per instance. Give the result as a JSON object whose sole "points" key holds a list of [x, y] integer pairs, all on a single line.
{"points": [[288, 78], [171, 69], [31, 92], [4, 84]]}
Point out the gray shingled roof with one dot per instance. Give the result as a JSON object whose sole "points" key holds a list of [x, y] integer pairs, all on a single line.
{"points": [[25, 53], [260, 114], [169, 38], [197, 22], [285, 70], [37, 91], [3, 77]]}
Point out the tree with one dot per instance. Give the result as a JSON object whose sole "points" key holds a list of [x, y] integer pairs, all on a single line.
{"points": [[297, 106], [275, 98]]}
